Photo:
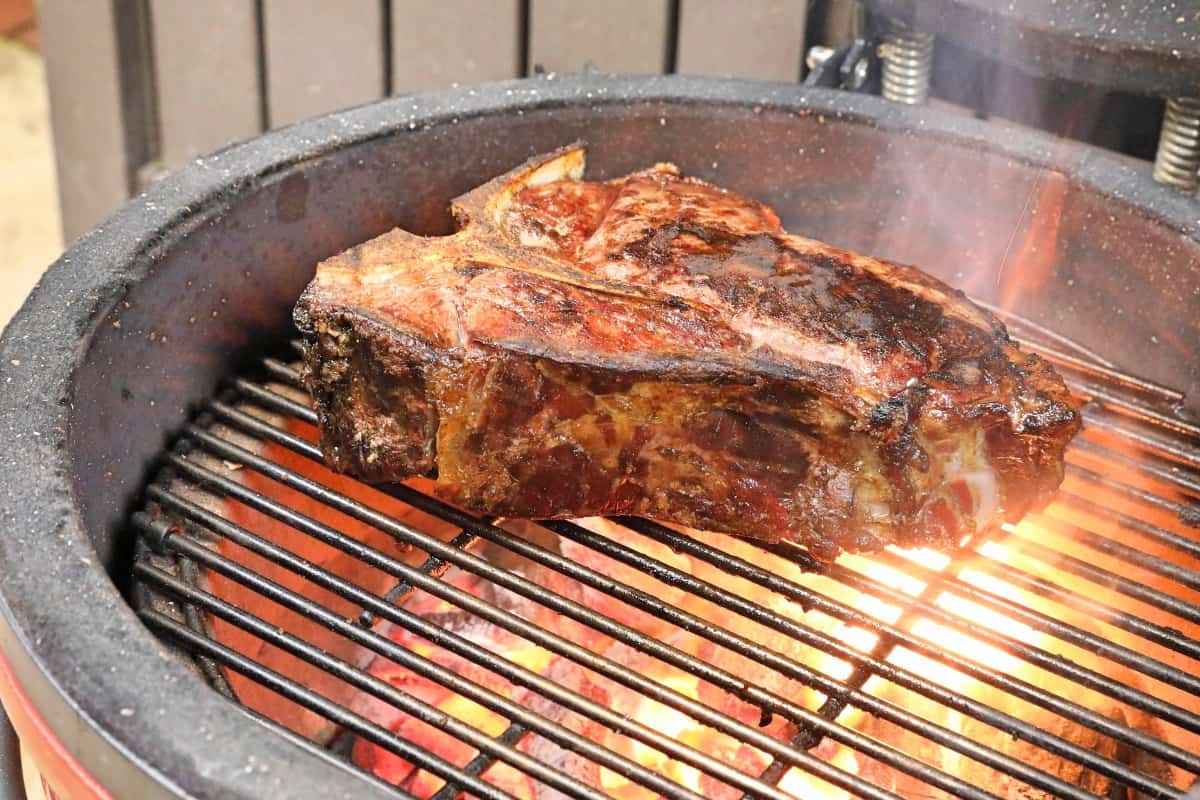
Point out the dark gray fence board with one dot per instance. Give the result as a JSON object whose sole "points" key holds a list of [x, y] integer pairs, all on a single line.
{"points": [[321, 56], [613, 36], [134, 95], [439, 42], [207, 75], [80, 45], [760, 39]]}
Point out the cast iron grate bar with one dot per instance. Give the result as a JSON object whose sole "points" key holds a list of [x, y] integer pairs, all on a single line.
{"points": [[1102, 577], [511, 735], [1137, 411], [326, 750], [299, 694], [191, 614], [1105, 766], [1185, 481], [774, 772], [1187, 514], [163, 534], [455, 643], [1163, 444], [568, 608], [1129, 555], [380, 689], [1099, 720], [1098, 645], [942, 581], [1047, 660], [834, 705], [1151, 631], [433, 566], [1165, 602], [907, 678]]}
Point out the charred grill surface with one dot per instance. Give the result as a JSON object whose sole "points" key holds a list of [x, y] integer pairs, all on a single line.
{"points": [[662, 347]]}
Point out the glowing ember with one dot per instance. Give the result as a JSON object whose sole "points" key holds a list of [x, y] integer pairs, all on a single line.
{"points": [[653, 714], [660, 718], [952, 608]]}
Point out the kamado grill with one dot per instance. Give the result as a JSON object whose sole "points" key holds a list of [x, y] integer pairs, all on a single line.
{"points": [[193, 606]]}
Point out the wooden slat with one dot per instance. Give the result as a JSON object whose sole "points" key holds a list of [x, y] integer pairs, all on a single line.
{"points": [[207, 74], [747, 39], [439, 42], [613, 36], [321, 56], [79, 42]]}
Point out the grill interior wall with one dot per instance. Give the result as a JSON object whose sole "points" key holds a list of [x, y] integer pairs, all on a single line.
{"points": [[1091, 609]]}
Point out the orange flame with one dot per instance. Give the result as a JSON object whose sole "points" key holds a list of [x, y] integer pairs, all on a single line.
{"points": [[915, 584], [1028, 267]]}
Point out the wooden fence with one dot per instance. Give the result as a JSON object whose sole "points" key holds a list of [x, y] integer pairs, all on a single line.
{"points": [[139, 87]]}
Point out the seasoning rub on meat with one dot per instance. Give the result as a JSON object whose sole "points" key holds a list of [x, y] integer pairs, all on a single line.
{"points": [[659, 346]]}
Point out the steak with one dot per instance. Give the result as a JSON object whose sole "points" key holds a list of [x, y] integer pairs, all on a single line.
{"points": [[659, 346]]}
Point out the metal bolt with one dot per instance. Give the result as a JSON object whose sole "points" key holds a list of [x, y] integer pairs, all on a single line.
{"points": [[1178, 157], [907, 65], [858, 75], [817, 56]]}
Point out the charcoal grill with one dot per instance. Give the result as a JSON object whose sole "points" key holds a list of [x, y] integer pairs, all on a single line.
{"points": [[158, 430]]}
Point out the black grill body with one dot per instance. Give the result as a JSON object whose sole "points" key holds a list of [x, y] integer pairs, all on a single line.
{"points": [[134, 330]]}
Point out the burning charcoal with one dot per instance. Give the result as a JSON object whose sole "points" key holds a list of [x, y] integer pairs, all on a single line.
{"points": [[606, 605], [252, 694], [756, 675], [571, 676], [511, 780], [997, 782], [386, 765]]}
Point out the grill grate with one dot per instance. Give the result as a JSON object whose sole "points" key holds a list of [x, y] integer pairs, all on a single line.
{"points": [[872, 677]]}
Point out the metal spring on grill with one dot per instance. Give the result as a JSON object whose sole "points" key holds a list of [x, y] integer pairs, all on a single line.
{"points": [[907, 65], [1178, 157]]}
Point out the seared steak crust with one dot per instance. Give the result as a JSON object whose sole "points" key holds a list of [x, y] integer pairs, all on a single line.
{"points": [[659, 346]]}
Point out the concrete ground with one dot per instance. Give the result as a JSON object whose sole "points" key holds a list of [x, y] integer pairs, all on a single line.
{"points": [[30, 233]]}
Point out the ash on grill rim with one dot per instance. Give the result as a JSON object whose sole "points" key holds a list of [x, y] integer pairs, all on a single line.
{"points": [[1119, 402]]}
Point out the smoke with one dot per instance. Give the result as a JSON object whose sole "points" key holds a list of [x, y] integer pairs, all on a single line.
{"points": [[984, 223]]}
